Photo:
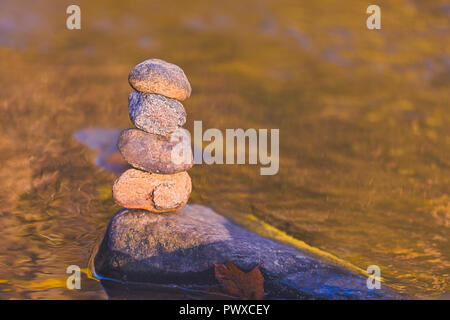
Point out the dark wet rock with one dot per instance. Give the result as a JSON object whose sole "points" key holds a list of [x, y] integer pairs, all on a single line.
{"points": [[155, 153], [151, 191], [118, 290], [160, 77], [182, 247], [154, 113]]}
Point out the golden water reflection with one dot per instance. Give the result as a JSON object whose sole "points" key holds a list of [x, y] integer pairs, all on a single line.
{"points": [[363, 118]]}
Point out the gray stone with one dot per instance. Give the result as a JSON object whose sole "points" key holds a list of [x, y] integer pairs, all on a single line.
{"points": [[160, 77], [154, 113], [154, 153], [182, 247]]}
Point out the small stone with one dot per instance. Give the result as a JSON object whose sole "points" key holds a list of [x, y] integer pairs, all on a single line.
{"points": [[154, 113], [155, 153], [160, 77], [150, 191]]}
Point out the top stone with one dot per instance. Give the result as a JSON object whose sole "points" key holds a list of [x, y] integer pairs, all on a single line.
{"points": [[160, 77]]}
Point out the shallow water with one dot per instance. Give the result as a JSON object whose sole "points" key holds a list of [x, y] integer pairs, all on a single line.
{"points": [[363, 118]]}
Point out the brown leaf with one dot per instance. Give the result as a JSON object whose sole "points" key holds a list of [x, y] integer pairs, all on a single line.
{"points": [[238, 283]]}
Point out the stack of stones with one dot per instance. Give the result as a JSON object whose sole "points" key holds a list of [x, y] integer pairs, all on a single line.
{"points": [[157, 182]]}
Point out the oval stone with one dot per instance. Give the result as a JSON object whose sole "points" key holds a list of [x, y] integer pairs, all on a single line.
{"points": [[136, 189], [160, 77], [154, 113], [155, 153]]}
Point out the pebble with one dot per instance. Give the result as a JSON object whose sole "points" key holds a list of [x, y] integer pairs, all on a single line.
{"points": [[152, 192], [154, 113], [154, 153], [160, 77]]}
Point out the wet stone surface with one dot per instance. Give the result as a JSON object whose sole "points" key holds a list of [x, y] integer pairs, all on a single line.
{"points": [[153, 153], [182, 247], [161, 77], [150, 191], [155, 113]]}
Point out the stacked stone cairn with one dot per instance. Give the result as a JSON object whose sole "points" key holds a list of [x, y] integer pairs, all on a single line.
{"points": [[158, 181]]}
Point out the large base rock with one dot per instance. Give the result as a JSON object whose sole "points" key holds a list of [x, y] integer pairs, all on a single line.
{"points": [[182, 247]]}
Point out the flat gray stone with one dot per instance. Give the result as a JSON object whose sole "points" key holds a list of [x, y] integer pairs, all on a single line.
{"points": [[155, 113], [160, 77], [182, 247], [154, 153]]}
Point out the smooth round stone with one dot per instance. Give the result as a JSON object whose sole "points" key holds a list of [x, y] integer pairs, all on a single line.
{"points": [[155, 153], [136, 189], [160, 77], [154, 113]]}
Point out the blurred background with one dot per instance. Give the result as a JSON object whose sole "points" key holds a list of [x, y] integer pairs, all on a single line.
{"points": [[363, 118]]}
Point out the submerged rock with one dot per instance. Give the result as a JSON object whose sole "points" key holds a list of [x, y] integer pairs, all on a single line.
{"points": [[181, 248], [104, 141], [160, 77], [154, 113], [154, 153], [150, 191]]}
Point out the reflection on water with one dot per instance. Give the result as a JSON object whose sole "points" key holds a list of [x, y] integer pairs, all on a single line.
{"points": [[363, 118], [139, 291], [104, 141]]}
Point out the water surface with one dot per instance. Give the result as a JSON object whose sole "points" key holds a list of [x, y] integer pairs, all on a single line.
{"points": [[363, 118]]}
